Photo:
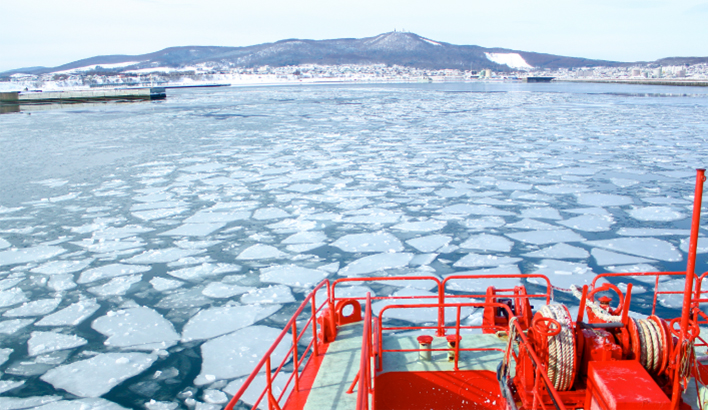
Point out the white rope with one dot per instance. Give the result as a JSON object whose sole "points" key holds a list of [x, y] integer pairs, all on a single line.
{"points": [[561, 349], [596, 309]]}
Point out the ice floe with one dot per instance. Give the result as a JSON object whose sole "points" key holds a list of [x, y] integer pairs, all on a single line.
{"points": [[162, 284], [71, 315], [372, 216], [532, 224], [260, 251], [429, 243], [483, 223], [236, 354], [465, 209], [11, 297], [4, 355], [702, 245], [163, 255], [116, 286], [110, 271], [4, 244], [559, 251], [656, 213], [306, 237], [195, 229], [257, 386], [541, 213], [420, 226], [217, 321], [653, 232], [605, 257], [17, 403], [475, 260], [59, 267], [7, 385], [486, 242], [480, 285], [61, 282], [9, 327], [546, 237], [216, 216], [293, 275], [82, 404], [601, 200], [589, 223], [138, 328], [47, 342], [203, 271], [96, 376], [220, 290], [562, 274], [369, 242], [645, 247], [34, 308], [378, 262], [269, 213], [14, 256], [270, 294]]}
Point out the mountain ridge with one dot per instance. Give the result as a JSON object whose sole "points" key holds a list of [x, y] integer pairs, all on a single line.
{"points": [[392, 48]]}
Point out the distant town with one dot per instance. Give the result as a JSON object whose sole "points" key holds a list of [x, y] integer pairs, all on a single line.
{"points": [[205, 74]]}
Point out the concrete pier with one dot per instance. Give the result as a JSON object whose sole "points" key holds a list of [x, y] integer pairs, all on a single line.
{"points": [[645, 81], [82, 96]]}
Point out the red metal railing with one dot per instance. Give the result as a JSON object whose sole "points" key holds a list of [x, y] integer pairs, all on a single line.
{"points": [[293, 354]]}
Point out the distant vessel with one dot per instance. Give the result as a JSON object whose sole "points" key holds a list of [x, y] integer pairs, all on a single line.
{"points": [[538, 79], [340, 356]]}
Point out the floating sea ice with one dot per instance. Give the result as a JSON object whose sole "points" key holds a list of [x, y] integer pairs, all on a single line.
{"points": [[702, 246], [163, 255], [546, 237], [4, 244], [604, 257], [656, 213], [257, 386], [7, 385], [211, 215], [562, 274], [465, 209], [101, 246], [646, 247], [184, 299], [641, 267], [624, 183], [532, 224], [588, 211], [158, 213], [82, 404], [293, 275], [60, 283], [561, 189], [269, 213], [194, 229], [218, 321], [96, 376], [480, 285], [12, 297], [71, 315], [423, 259], [8, 283], [452, 192], [162, 284], [16, 256], [636, 289], [559, 251], [589, 223], [375, 263], [653, 232], [220, 290], [475, 260], [421, 226], [17, 403], [372, 216], [34, 308], [487, 242], [369, 242], [541, 213], [424, 284], [671, 300], [306, 237], [303, 247], [154, 196], [138, 328], [160, 405], [4, 355], [205, 270], [235, 354], [305, 188], [117, 286], [483, 223], [110, 233], [187, 244], [201, 168], [260, 251], [62, 267], [591, 199], [271, 294], [343, 291], [46, 342], [418, 315], [429, 243], [513, 186], [9, 327], [110, 271]]}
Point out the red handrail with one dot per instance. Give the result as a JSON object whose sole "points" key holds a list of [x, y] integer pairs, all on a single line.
{"points": [[293, 352]]}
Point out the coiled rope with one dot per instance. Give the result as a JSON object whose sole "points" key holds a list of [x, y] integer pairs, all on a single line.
{"points": [[561, 348], [596, 309]]}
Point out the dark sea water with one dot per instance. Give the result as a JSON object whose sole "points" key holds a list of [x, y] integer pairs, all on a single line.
{"points": [[144, 245]]}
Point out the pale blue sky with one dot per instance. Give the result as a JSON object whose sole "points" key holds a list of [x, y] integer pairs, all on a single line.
{"points": [[51, 32]]}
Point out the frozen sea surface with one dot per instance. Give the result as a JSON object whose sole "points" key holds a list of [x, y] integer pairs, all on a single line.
{"points": [[150, 252]]}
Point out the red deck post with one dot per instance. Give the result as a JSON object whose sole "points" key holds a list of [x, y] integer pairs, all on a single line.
{"points": [[693, 244]]}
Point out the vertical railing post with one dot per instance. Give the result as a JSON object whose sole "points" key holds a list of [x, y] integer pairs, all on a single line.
{"points": [[692, 245], [295, 359], [458, 339], [269, 385], [581, 310], [315, 350], [441, 310]]}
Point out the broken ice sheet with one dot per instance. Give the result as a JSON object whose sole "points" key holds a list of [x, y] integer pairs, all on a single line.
{"points": [[645, 247], [270, 294], [117, 286], [429, 243], [200, 272], [139, 328], [236, 354], [61, 282], [58, 267], [219, 290], [559, 251], [465, 209], [656, 213], [7, 385], [478, 284], [702, 246], [562, 274], [605, 257], [546, 237], [293, 275], [47, 342], [374, 263], [257, 386], [475, 260], [34, 308], [483, 223], [9, 327], [162, 284], [96, 376], [82, 404], [305, 237], [421, 226], [602, 200], [532, 224], [589, 223], [71, 315], [653, 232], [369, 242], [269, 213], [540, 213], [12, 403], [11, 297], [194, 229], [15, 256], [260, 251], [217, 321], [110, 271], [486, 242], [163, 255]]}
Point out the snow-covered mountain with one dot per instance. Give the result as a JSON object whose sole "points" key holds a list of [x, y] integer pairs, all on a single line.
{"points": [[399, 48]]}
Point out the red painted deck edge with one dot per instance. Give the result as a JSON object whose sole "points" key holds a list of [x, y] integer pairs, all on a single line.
{"points": [[298, 399]]}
